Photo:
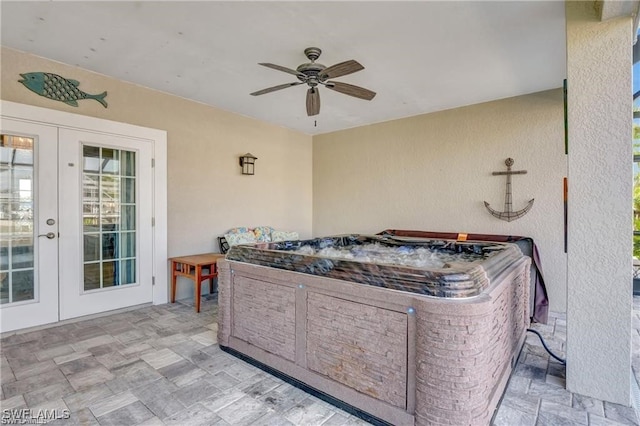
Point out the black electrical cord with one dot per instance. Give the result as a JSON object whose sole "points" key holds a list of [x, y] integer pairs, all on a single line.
{"points": [[562, 361]]}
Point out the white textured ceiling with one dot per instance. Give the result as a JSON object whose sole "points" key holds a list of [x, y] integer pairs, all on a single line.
{"points": [[419, 56]]}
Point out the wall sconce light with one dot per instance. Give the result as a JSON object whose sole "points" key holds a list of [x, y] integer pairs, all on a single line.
{"points": [[247, 162]]}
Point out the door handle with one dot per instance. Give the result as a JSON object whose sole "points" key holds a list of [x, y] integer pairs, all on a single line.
{"points": [[49, 235]]}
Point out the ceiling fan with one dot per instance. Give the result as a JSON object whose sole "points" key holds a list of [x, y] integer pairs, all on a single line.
{"points": [[314, 74]]}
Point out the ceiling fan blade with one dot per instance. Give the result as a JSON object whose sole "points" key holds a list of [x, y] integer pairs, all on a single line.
{"points": [[313, 101], [343, 68], [351, 90], [274, 88], [284, 69]]}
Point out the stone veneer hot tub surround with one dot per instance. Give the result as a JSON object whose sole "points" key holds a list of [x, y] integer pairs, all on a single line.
{"points": [[404, 357]]}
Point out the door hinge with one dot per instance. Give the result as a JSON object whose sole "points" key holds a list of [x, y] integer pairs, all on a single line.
{"points": [[153, 162], [153, 280], [153, 221]]}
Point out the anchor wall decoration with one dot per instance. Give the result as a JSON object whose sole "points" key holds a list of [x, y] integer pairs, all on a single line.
{"points": [[508, 214]]}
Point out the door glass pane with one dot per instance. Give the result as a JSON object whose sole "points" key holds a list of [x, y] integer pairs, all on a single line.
{"points": [[22, 285], [109, 274], [109, 245], [91, 159], [91, 247], [128, 190], [109, 210], [91, 276], [4, 253], [17, 282], [110, 192], [128, 244], [128, 218], [128, 163], [128, 271], [110, 161], [91, 217], [22, 254]]}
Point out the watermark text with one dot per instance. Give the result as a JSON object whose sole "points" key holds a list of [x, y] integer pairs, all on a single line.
{"points": [[28, 416]]}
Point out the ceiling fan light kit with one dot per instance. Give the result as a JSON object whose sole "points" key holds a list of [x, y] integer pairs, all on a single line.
{"points": [[314, 74]]}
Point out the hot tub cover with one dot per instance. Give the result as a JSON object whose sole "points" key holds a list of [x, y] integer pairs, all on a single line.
{"points": [[457, 279], [540, 299]]}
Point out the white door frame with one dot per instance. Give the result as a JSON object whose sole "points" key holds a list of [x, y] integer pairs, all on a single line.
{"points": [[157, 137]]}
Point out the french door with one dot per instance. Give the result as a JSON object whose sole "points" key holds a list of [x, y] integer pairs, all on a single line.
{"points": [[105, 200], [76, 223], [28, 209]]}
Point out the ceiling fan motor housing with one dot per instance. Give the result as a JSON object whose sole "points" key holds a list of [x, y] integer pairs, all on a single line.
{"points": [[311, 70]]}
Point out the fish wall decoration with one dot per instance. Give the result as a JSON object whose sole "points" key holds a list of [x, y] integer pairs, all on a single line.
{"points": [[58, 88]]}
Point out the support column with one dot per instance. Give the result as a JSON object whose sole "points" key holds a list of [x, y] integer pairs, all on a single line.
{"points": [[599, 258]]}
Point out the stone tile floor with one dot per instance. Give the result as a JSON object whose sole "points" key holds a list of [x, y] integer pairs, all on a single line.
{"points": [[160, 365], [157, 365], [536, 393]]}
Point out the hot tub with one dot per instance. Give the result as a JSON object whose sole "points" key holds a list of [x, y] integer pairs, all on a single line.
{"points": [[368, 321]]}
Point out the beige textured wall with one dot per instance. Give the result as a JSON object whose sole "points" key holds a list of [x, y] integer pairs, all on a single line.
{"points": [[599, 309], [433, 172], [206, 192]]}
